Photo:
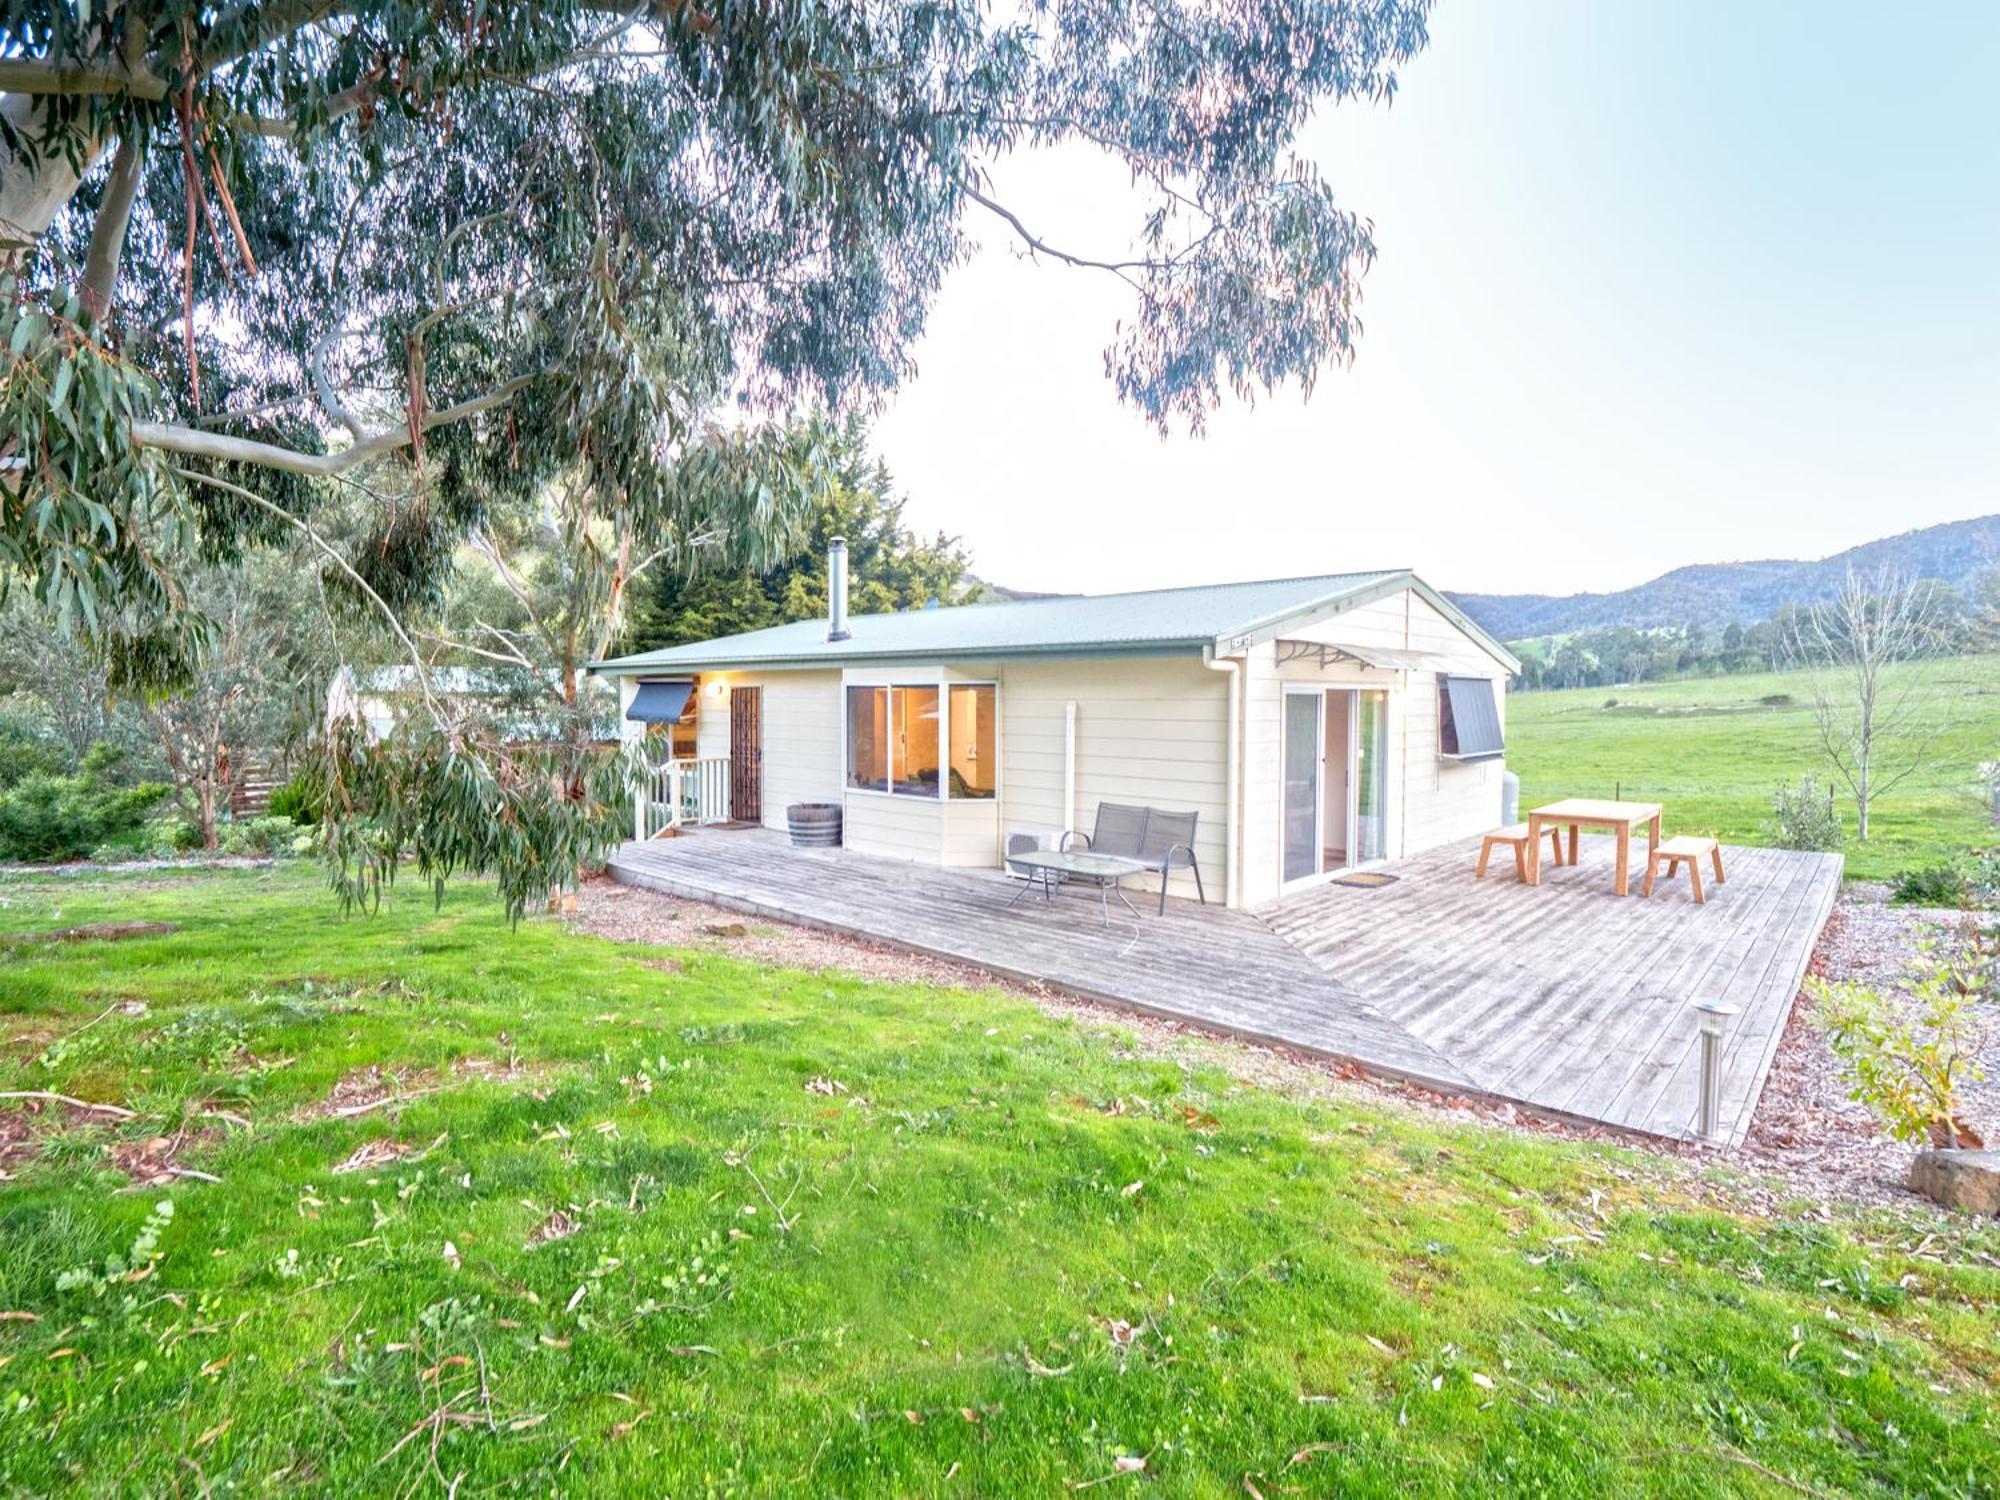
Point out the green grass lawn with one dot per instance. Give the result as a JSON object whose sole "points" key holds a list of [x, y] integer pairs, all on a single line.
{"points": [[803, 1234], [1713, 750]]}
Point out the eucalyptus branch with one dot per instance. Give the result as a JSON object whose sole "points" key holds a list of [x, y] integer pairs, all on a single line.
{"points": [[114, 218], [1118, 268], [511, 658], [323, 387], [333, 555], [191, 442], [19, 76]]}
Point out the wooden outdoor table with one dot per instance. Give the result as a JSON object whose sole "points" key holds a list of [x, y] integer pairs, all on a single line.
{"points": [[1574, 812]]}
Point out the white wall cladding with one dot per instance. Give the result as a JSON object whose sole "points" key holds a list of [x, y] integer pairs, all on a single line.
{"points": [[802, 734], [1431, 802], [895, 827], [1148, 730]]}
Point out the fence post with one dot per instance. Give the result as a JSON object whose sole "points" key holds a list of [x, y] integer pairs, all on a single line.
{"points": [[674, 794]]}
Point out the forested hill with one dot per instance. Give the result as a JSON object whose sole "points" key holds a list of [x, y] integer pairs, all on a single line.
{"points": [[1718, 593]]}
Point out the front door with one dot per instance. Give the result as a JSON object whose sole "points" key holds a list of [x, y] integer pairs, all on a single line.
{"points": [[746, 754]]}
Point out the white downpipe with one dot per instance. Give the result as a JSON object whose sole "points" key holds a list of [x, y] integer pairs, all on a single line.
{"points": [[1232, 845], [1069, 767]]}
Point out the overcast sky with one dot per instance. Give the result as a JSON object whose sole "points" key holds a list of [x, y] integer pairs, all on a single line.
{"points": [[1660, 281]]}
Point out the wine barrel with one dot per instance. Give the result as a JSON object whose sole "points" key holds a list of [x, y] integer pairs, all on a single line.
{"points": [[814, 825]]}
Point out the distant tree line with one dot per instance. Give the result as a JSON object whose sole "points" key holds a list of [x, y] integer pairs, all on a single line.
{"points": [[1968, 622]]}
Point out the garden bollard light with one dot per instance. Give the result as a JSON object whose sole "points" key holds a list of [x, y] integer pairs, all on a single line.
{"points": [[1712, 1016]]}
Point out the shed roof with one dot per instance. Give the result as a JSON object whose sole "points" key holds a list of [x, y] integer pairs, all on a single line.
{"points": [[1151, 621]]}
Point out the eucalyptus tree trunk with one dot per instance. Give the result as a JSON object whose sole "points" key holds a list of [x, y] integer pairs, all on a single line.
{"points": [[32, 191]]}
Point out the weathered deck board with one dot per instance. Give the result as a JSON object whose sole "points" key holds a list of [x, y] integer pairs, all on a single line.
{"points": [[1215, 967], [1570, 998], [1562, 996]]}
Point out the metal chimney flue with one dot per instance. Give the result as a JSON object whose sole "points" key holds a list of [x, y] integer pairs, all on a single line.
{"points": [[836, 589]]}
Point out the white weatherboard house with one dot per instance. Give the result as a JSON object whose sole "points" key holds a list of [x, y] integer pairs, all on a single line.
{"points": [[1315, 724]]}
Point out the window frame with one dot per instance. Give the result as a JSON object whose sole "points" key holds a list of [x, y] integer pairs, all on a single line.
{"points": [[942, 686]]}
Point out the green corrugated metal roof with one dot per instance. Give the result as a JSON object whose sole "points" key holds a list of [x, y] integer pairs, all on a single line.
{"points": [[1152, 620]]}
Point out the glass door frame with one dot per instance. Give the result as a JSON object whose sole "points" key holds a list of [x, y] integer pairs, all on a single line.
{"points": [[1323, 691]]}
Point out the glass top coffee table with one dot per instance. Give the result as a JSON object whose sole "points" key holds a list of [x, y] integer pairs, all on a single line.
{"points": [[1049, 868]]}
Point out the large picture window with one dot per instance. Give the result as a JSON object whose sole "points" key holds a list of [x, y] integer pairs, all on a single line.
{"points": [[900, 738]]}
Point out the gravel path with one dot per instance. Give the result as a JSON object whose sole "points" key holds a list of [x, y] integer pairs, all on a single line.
{"points": [[1810, 1148]]}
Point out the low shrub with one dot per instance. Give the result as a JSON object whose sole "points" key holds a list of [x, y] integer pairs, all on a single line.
{"points": [[1803, 817], [1777, 700], [1933, 885], [24, 753], [46, 817], [259, 838], [1986, 878], [298, 799], [174, 834], [1911, 1063]]}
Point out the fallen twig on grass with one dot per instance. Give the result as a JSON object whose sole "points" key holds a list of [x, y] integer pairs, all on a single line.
{"points": [[117, 1110], [348, 1112], [1730, 1455]]}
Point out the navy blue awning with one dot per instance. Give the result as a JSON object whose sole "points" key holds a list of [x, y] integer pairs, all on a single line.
{"points": [[661, 702], [1469, 726]]}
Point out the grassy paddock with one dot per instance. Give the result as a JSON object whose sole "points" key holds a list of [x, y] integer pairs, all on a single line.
{"points": [[803, 1234], [1713, 749]]}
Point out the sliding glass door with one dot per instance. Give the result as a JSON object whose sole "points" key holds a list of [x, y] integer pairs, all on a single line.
{"points": [[1371, 776], [1335, 795], [1303, 750]]}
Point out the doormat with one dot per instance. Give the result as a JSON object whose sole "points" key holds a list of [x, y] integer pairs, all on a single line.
{"points": [[1367, 880]]}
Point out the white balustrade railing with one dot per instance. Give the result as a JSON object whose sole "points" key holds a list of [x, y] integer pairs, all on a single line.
{"points": [[694, 790]]}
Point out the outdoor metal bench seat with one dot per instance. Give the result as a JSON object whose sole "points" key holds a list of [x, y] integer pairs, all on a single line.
{"points": [[1159, 839]]}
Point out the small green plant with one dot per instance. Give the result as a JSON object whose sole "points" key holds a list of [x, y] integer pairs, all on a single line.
{"points": [[99, 1278], [1933, 885], [1802, 815], [1910, 1061]]}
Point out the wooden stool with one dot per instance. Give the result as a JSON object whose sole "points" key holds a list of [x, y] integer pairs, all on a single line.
{"points": [[1515, 837], [1685, 850]]}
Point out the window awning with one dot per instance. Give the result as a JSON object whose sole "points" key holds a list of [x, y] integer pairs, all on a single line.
{"points": [[661, 702], [1469, 725], [1382, 658]]}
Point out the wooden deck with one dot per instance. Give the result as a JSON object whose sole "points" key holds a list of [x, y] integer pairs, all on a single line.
{"points": [[1562, 997]]}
